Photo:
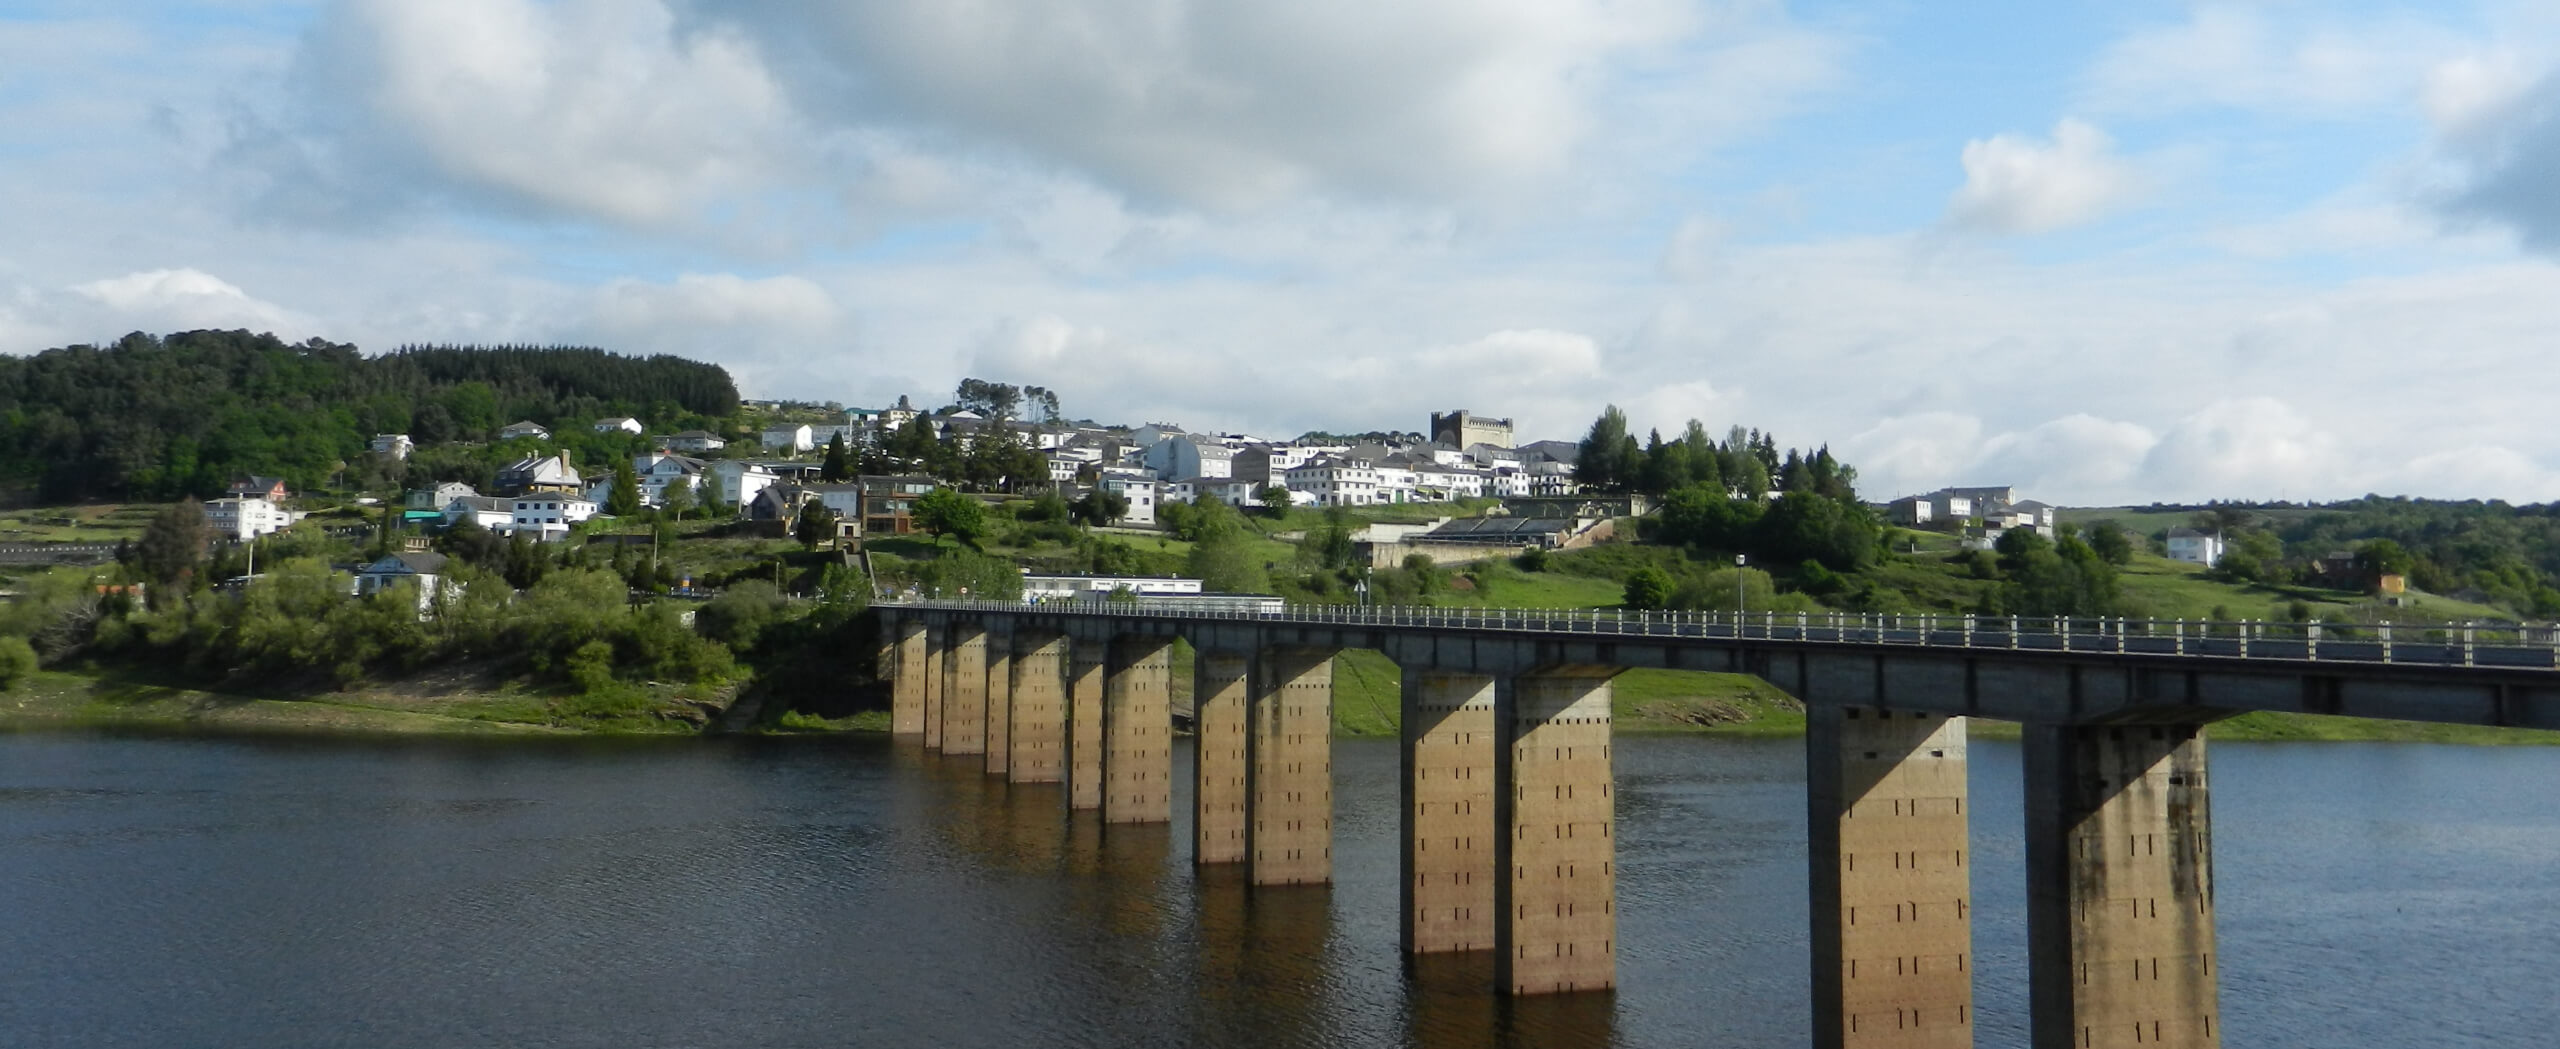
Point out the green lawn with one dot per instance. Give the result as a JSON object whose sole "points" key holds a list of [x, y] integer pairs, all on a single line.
{"points": [[2167, 589]]}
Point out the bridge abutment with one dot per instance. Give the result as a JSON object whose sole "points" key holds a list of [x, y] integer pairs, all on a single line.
{"points": [[1555, 862], [1290, 828], [1137, 729], [1889, 874], [2120, 937], [1219, 701], [1448, 862], [1087, 670], [1037, 735]]}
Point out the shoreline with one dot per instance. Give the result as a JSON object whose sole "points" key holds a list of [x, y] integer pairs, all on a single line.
{"points": [[91, 700]]}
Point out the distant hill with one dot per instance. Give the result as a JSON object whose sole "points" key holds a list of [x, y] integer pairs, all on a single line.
{"points": [[164, 417]]}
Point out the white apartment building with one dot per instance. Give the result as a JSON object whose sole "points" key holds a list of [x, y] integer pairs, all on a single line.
{"points": [[1142, 494], [245, 517], [549, 515], [1334, 481]]}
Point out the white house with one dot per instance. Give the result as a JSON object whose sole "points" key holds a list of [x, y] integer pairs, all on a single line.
{"points": [[549, 515], [487, 511], [434, 497], [1142, 494], [423, 568], [2194, 547], [657, 470], [623, 423], [789, 439], [524, 428], [738, 481], [393, 446], [245, 517], [695, 441]]}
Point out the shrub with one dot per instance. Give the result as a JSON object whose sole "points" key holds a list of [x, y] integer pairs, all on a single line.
{"points": [[17, 661]]}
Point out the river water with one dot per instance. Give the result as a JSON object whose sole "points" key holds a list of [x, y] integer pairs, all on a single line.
{"points": [[160, 892]]}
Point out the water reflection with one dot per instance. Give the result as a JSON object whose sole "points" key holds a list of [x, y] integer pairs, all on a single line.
{"points": [[856, 892]]}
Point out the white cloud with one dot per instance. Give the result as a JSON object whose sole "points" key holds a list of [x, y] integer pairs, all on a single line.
{"points": [[2469, 93], [598, 108], [175, 299], [1219, 104], [2244, 57], [2014, 184]]}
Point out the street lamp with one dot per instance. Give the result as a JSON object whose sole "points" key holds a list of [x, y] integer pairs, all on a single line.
{"points": [[1737, 588]]}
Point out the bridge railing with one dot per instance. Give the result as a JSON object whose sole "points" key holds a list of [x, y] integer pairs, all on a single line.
{"points": [[2524, 645]]}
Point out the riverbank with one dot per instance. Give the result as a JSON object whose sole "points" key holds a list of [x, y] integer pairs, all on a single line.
{"points": [[97, 699]]}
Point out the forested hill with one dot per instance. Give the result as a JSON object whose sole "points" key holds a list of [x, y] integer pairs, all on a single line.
{"points": [[164, 417]]}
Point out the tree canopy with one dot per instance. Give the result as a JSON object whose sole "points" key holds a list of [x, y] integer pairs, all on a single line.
{"points": [[153, 417]]}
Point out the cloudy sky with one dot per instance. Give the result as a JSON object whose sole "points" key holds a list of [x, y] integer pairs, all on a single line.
{"points": [[2115, 251]]}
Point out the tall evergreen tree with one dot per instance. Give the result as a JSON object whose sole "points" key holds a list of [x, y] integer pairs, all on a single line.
{"points": [[836, 467]]}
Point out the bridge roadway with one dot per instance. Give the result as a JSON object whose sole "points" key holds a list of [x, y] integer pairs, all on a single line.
{"points": [[1508, 815]]}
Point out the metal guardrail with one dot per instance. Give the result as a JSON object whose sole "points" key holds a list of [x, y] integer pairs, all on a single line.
{"points": [[2514, 645]]}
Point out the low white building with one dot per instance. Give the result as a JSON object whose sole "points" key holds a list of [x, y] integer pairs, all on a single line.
{"points": [[694, 441], [494, 513], [524, 428], [2194, 547], [623, 423], [245, 517], [1039, 587], [549, 515], [392, 446]]}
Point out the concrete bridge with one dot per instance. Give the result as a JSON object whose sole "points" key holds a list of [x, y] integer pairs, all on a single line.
{"points": [[1508, 815]]}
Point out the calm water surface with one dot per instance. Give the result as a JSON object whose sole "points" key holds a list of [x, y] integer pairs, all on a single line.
{"points": [[209, 892]]}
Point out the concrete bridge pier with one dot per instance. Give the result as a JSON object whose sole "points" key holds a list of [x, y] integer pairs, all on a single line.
{"points": [[1220, 682], [1890, 879], [964, 703], [937, 644], [905, 662], [1036, 736], [1289, 832], [1448, 814], [999, 750], [1087, 668], [2119, 887], [1555, 862], [1137, 729]]}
